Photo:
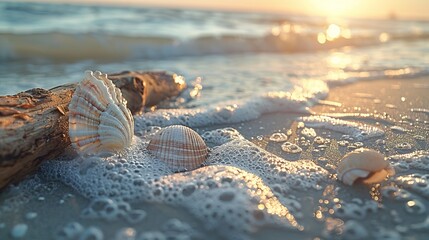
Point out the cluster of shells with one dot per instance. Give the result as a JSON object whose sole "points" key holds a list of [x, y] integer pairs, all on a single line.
{"points": [[100, 122]]}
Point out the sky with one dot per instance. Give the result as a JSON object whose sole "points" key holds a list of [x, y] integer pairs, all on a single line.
{"points": [[404, 9]]}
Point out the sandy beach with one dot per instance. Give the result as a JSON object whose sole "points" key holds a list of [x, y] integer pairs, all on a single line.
{"points": [[397, 106]]}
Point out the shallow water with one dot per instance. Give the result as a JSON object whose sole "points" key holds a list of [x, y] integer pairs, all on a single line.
{"points": [[232, 52], [259, 77]]}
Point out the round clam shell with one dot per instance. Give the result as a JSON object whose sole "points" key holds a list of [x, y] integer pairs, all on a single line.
{"points": [[99, 120], [180, 147], [367, 164]]}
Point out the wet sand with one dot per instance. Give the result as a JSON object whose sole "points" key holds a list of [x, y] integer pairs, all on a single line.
{"points": [[394, 105], [394, 98]]}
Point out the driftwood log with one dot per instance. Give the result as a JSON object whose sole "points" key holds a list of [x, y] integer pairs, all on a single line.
{"points": [[34, 124]]}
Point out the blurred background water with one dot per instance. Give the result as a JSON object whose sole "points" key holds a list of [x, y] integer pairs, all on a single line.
{"points": [[237, 54]]}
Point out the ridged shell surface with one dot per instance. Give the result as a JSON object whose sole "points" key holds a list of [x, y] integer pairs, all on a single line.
{"points": [[367, 164], [180, 147], [99, 120]]}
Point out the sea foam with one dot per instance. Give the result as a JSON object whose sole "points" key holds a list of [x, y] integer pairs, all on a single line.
{"points": [[231, 194], [298, 100]]}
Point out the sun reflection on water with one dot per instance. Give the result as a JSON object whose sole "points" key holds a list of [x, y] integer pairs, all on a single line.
{"points": [[332, 33], [339, 60]]}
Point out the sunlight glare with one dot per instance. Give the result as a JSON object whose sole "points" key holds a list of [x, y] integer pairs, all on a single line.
{"points": [[321, 38], [333, 32], [285, 29], [339, 60], [275, 31], [384, 37]]}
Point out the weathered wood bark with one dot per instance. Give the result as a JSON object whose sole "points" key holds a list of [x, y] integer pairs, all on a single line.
{"points": [[147, 88], [34, 124]]}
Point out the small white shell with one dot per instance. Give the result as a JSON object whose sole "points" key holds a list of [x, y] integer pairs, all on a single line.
{"points": [[367, 164], [99, 120], [180, 147]]}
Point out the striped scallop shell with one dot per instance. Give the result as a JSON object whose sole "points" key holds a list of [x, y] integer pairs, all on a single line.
{"points": [[180, 147], [99, 120], [366, 164]]}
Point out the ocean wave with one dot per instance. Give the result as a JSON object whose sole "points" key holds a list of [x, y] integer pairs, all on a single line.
{"points": [[73, 47], [68, 47]]}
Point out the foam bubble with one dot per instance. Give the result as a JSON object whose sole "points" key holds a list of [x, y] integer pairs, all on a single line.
{"points": [[221, 136], [111, 210], [19, 230], [308, 132], [91, 233], [176, 229], [71, 231], [135, 216], [231, 194], [358, 131], [291, 148], [278, 137], [319, 140]]}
